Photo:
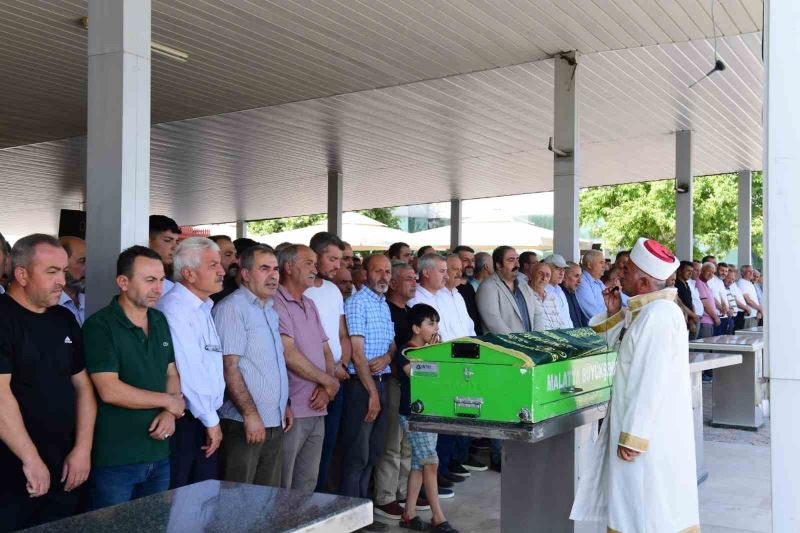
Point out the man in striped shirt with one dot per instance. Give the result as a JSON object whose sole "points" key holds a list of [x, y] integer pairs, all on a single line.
{"points": [[255, 414]]}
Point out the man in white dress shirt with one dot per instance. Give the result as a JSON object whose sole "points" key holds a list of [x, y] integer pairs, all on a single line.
{"points": [[558, 266], [198, 274], [164, 234], [750, 295]]}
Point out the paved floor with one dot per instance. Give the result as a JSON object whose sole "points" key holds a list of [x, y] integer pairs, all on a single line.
{"points": [[734, 499]]}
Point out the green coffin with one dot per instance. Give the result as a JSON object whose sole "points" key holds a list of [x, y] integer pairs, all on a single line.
{"points": [[520, 377]]}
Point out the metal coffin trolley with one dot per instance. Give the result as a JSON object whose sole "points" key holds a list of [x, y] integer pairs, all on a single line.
{"points": [[541, 393]]}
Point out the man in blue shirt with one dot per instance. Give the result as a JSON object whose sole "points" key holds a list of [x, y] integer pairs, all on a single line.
{"points": [[590, 291], [371, 329]]}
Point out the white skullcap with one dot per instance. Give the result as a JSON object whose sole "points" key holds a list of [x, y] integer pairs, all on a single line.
{"points": [[654, 258]]}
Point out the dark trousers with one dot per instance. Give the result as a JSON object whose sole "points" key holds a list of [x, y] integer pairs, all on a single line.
{"points": [[738, 321], [332, 422], [363, 441], [187, 461], [22, 511], [257, 464]]}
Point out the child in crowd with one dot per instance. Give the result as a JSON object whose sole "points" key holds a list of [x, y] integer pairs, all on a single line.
{"points": [[424, 322]]}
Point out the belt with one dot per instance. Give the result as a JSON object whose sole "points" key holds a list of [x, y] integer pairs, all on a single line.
{"points": [[377, 377]]}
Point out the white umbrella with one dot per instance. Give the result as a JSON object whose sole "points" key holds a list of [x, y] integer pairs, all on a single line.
{"points": [[487, 234], [362, 232]]}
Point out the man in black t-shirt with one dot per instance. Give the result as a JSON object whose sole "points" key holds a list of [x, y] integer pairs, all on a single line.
{"points": [[47, 404]]}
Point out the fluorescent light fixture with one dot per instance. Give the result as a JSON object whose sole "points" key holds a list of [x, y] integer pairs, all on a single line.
{"points": [[168, 51], [155, 48]]}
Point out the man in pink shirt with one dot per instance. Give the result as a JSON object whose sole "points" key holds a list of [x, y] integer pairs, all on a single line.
{"points": [[710, 318], [310, 362]]}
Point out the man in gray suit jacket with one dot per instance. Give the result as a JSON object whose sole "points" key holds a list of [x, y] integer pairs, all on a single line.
{"points": [[505, 304]]}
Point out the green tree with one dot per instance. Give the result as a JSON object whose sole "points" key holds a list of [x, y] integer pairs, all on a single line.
{"points": [[619, 214], [276, 225]]}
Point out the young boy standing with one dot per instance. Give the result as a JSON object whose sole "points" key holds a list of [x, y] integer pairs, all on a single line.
{"points": [[424, 322]]}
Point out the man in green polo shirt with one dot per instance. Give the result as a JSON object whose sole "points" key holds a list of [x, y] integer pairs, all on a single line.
{"points": [[130, 358]]}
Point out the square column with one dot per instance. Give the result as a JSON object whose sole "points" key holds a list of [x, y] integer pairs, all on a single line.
{"points": [[684, 196], [455, 223], [241, 229], [335, 183], [118, 144], [781, 230], [566, 156], [745, 217]]}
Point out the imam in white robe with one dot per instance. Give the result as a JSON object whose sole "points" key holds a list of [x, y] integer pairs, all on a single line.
{"points": [[650, 412]]}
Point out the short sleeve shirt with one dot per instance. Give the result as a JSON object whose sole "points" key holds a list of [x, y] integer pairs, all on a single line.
{"points": [[248, 328], [330, 305], [41, 351], [115, 344], [368, 316], [300, 321]]}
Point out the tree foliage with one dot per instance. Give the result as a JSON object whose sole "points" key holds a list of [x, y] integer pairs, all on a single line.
{"points": [[620, 214], [277, 225]]}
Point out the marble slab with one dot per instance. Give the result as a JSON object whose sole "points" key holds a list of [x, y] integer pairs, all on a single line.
{"points": [[221, 507], [730, 343], [699, 361]]}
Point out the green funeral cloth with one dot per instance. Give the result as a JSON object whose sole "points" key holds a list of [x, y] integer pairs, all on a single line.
{"points": [[548, 346]]}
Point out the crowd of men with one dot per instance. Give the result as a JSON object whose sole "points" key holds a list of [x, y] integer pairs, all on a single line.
{"points": [[228, 359]]}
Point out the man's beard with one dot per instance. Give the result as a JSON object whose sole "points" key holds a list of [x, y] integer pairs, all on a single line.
{"points": [[73, 284]]}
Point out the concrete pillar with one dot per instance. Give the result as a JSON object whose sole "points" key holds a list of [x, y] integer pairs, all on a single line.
{"points": [[745, 217], [241, 229], [684, 194], [566, 167], [335, 181], [781, 228], [118, 145], [455, 222]]}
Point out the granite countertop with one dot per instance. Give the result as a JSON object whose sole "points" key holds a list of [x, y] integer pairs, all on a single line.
{"points": [[698, 361], [218, 506], [731, 343]]}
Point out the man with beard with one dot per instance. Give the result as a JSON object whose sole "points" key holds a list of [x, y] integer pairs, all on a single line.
{"points": [[347, 256], [72, 297], [164, 233], [130, 357], [465, 287], [369, 323], [344, 281], [47, 405], [228, 258], [399, 251], [198, 354], [391, 473], [642, 475], [330, 304]]}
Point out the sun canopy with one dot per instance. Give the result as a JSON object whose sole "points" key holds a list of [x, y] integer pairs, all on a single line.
{"points": [[487, 233], [363, 233]]}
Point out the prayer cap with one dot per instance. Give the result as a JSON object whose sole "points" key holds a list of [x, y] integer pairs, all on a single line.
{"points": [[654, 258]]}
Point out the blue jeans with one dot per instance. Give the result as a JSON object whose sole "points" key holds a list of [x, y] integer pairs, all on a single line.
{"points": [[332, 421], [110, 485]]}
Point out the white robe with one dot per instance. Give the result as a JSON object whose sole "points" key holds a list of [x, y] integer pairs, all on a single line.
{"points": [[650, 412]]}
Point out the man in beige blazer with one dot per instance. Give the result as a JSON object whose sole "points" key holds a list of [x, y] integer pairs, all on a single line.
{"points": [[505, 304]]}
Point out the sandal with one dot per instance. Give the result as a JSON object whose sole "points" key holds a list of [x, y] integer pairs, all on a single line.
{"points": [[415, 524], [444, 527]]}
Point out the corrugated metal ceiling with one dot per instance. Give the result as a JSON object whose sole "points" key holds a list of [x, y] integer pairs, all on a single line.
{"points": [[466, 136], [248, 54]]}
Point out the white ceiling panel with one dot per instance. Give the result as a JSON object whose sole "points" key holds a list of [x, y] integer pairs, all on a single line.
{"points": [[248, 54], [466, 136]]}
